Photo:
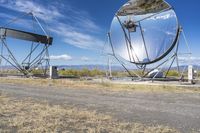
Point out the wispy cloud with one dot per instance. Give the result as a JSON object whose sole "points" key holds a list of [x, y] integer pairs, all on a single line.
{"points": [[6, 16], [72, 35], [163, 16], [85, 58], [45, 13], [74, 26], [190, 60], [64, 57]]}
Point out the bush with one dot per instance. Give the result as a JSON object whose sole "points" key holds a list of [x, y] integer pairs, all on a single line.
{"points": [[173, 73], [81, 73], [37, 72]]}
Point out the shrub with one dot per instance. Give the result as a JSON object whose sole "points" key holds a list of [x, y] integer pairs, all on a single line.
{"points": [[81, 73]]}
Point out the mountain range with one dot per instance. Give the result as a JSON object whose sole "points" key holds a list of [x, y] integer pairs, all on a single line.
{"points": [[100, 67]]}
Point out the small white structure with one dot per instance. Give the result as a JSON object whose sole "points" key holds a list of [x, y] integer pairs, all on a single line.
{"points": [[190, 74], [155, 74], [53, 72]]}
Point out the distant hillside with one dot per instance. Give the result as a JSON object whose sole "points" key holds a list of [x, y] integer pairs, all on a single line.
{"points": [[90, 67], [7, 68], [99, 67], [185, 67], [76, 67]]}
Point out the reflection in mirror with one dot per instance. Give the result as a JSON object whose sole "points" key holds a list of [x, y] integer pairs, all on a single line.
{"points": [[141, 37], [141, 7]]}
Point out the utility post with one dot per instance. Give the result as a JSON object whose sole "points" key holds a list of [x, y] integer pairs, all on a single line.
{"points": [[191, 74], [109, 68]]}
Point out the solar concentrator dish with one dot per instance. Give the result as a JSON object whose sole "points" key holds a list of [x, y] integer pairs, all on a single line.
{"points": [[144, 32]]}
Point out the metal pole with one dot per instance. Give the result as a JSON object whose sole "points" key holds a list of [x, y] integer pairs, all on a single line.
{"points": [[109, 37], [144, 42], [110, 67], [40, 25]]}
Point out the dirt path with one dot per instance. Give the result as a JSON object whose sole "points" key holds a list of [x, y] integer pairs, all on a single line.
{"points": [[177, 110]]}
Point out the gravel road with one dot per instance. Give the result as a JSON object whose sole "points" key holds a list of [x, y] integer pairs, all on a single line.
{"points": [[177, 110]]}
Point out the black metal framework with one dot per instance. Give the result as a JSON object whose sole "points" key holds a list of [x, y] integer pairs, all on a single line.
{"points": [[131, 52], [162, 65], [33, 60], [23, 35], [170, 56]]}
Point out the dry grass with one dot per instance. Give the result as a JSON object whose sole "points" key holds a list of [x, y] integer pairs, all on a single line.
{"points": [[65, 83], [29, 116]]}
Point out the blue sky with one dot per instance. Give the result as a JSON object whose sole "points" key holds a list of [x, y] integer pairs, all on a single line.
{"points": [[79, 27]]}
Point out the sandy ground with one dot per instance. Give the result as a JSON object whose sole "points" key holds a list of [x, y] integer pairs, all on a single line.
{"points": [[176, 110]]}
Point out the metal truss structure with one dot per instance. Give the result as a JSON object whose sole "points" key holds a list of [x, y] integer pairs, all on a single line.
{"points": [[164, 64], [147, 34], [33, 60]]}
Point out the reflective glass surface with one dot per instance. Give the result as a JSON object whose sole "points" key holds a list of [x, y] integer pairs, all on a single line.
{"points": [[141, 7], [144, 38]]}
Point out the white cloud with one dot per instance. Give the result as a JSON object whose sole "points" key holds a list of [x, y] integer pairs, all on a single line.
{"points": [[170, 33], [85, 58], [190, 60], [6, 16], [44, 13], [162, 17], [74, 36], [64, 57], [75, 26]]}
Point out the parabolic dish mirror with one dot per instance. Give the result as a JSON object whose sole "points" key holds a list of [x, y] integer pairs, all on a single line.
{"points": [[144, 31]]}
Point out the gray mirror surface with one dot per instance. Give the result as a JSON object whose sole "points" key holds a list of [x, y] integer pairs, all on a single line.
{"points": [[144, 38]]}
